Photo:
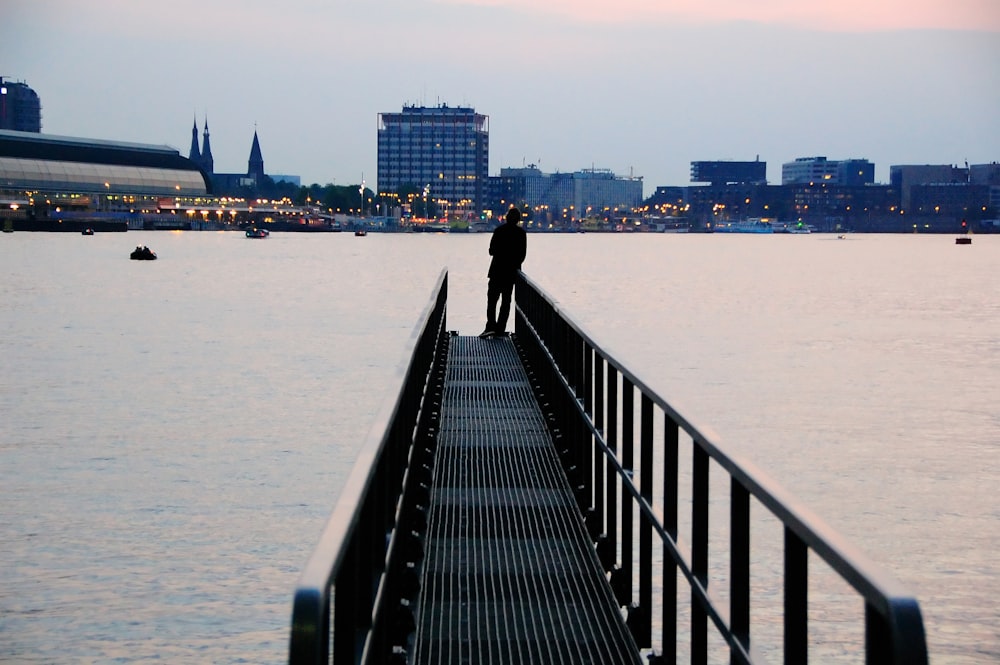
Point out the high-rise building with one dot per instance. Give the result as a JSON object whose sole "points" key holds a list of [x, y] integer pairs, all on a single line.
{"points": [[20, 108], [806, 170], [443, 149]]}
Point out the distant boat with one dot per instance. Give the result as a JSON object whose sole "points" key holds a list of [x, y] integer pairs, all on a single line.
{"points": [[87, 231], [360, 232], [142, 253], [965, 239], [258, 233], [752, 225]]}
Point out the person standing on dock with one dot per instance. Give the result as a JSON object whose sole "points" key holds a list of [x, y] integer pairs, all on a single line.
{"points": [[508, 247]]}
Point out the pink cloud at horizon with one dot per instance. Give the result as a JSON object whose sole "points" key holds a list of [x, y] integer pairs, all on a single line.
{"points": [[843, 16]]}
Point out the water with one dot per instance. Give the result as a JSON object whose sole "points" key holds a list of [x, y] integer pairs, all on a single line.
{"points": [[174, 433]]}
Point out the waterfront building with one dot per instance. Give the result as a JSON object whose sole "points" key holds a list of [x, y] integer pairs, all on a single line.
{"points": [[989, 175], [45, 176], [565, 197], [936, 195], [805, 170], [730, 172], [20, 108], [908, 176], [49, 164], [441, 152]]}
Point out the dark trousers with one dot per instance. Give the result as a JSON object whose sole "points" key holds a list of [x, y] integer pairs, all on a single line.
{"points": [[499, 288]]}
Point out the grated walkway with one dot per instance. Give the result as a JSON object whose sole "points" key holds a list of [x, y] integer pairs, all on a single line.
{"points": [[510, 574]]}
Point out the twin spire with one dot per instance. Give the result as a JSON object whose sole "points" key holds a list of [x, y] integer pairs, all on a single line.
{"points": [[203, 157]]}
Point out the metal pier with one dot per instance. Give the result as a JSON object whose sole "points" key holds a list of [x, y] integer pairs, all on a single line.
{"points": [[510, 574], [529, 499]]}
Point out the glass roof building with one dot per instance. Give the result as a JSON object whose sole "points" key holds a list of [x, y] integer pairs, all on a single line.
{"points": [[31, 162]]}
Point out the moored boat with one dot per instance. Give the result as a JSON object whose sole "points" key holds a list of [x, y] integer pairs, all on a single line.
{"points": [[752, 225], [258, 233]]}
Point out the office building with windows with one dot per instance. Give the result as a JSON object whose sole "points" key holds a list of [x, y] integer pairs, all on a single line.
{"points": [[565, 197], [442, 149], [730, 172], [806, 170], [20, 108]]}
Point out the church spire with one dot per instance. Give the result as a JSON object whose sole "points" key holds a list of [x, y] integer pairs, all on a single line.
{"points": [[194, 155], [207, 162], [255, 166]]}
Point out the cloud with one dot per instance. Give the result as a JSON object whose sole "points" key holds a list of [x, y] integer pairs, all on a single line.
{"points": [[843, 16]]}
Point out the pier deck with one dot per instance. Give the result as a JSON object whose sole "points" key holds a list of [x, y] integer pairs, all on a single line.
{"points": [[510, 574]]}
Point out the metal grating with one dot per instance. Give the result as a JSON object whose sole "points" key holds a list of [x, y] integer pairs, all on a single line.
{"points": [[509, 574]]}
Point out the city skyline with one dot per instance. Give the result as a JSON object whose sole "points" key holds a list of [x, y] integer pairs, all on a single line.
{"points": [[645, 92]]}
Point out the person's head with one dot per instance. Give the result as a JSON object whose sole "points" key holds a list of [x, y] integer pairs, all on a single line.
{"points": [[513, 216]]}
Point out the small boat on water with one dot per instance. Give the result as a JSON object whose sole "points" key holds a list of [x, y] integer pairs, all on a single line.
{"points": [[965, 238], [360, 232], [87, 231], [142, 253], [258, 233]]}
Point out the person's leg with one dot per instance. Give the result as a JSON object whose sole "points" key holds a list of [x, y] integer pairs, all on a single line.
{"points": [[505, 296], [492, 296]]}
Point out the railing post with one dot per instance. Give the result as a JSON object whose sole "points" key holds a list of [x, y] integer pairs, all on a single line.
{"points": [[739, 564], [645, 525], [670, 517], [622, 578], [699, 553], [609, 552], [796, 600], [598, 518]]}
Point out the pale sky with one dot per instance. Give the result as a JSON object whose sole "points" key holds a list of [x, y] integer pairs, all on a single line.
{"points": [[635, 86]]}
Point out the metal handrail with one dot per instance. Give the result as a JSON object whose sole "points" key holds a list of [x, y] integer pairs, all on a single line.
{"points": [[352, 574], [579, 383]]}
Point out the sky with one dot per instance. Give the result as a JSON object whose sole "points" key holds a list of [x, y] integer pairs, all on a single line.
{"points": [[640, 87]]}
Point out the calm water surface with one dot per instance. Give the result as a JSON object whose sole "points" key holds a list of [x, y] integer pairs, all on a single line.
{"points": [[173, 434]]}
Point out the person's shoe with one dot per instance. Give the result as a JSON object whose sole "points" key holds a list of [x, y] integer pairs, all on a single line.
{"points": [[487, 333], [498, 332]]}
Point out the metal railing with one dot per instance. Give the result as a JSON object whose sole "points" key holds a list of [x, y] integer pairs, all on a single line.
{"points": [[606, 438], [348, 599]]}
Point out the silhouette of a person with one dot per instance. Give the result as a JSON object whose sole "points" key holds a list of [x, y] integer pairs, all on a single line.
{"points": [[508, 247]]}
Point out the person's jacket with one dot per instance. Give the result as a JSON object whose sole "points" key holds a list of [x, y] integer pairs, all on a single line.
{"points": [[508, 247]]}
